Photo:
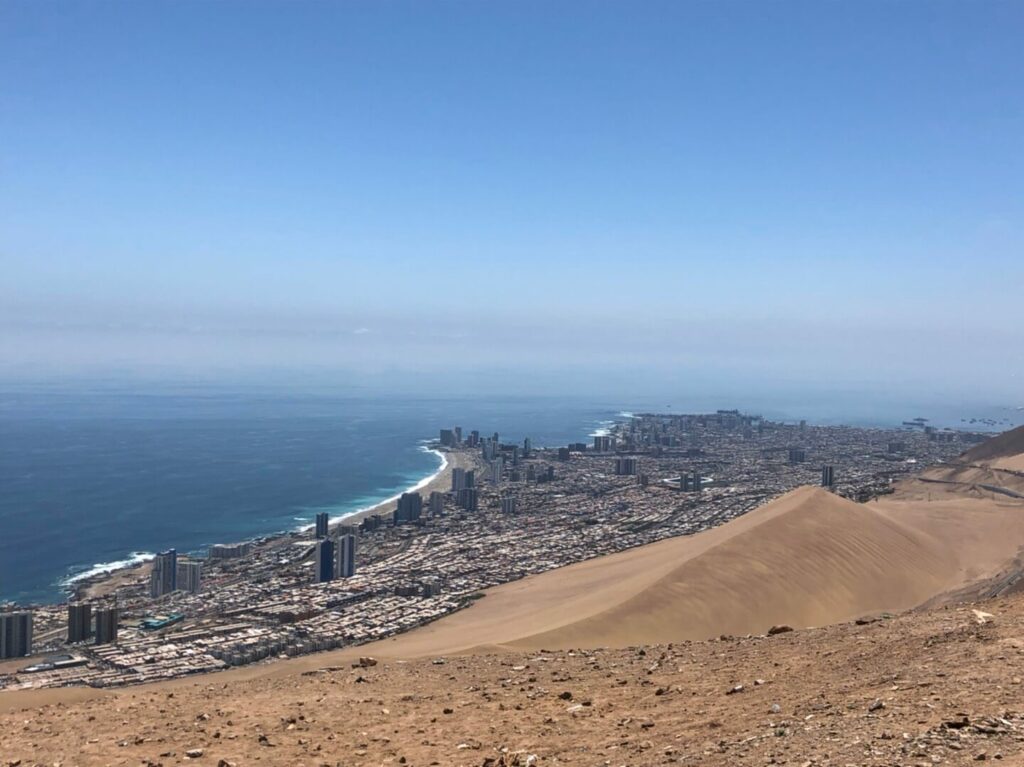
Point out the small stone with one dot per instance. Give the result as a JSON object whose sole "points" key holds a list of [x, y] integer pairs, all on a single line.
{"points": [[877, 705], [780, 629], [193, 753], [734, 690], [565, 695]]}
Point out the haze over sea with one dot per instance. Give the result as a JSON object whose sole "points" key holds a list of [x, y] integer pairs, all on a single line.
{"points": [[104, 475]]}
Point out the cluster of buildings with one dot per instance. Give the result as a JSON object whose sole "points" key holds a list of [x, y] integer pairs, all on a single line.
{"points": [[335, 558], [511, 510], [169, 574]]}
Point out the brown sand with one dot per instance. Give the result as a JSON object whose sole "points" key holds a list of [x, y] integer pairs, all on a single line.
{"points": [[1006, 445], [921, 689], [808, 558], [1010, 463]]}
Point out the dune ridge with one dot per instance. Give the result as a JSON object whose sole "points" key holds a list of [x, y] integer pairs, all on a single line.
{"points": [[1008, 446], [808, 558]]}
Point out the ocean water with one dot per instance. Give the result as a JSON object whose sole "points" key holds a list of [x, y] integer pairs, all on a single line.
{"points": [[93, 478], [87, 480]]}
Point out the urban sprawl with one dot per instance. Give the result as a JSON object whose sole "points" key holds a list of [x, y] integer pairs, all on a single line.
{"points": [[512, 510]]}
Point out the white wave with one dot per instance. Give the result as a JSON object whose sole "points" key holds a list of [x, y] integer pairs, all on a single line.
{"points": [[101, 568], [418, 486]]}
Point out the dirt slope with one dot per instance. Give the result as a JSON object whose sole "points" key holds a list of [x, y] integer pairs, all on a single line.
{"points": [[808, 558], [1008, 445], [921, 689]]}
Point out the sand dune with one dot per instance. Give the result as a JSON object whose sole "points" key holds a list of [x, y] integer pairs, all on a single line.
{"points": [[1008, 445], [995, 464], [1010, 463], [808, 558]]}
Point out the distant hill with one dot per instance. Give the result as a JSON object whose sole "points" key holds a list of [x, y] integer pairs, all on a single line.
{"points": [[1004, 451]]}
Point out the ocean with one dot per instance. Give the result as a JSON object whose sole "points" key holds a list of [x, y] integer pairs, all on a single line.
{"points": [[88, 481], [93, 479]]}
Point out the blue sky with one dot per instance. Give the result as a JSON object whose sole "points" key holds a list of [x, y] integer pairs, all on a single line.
{"points": [[814, 191]]}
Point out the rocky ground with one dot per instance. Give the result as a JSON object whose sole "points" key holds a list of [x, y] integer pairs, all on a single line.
{"points": [[936, 687]]}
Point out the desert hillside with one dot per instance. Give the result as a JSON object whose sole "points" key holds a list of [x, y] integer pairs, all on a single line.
{"points": [[676, 666], [924, 688], [995, 467], [1005, 447], [808, 558]]}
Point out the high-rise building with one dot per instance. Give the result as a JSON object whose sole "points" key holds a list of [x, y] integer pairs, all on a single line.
{"points": [[828, 476], [468, 498], [436, 503], [322, 524], [15, 634], [79, 621], [489, 449], [497, 467], [458, 479], [410, 508], [346, 556], [189, 576], [527, 447], [458, 435], [164, 577], [324, 567], [602, 443], [230, 550], [508, 505], [797, 455], [563, 454], [690, 483], [447, 438], [626, 467], [106, 625]]}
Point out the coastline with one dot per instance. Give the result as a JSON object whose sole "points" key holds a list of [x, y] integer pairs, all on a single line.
{"points": [[105, 583], [439, 480]]}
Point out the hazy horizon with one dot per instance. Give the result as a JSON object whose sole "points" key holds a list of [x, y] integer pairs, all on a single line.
{"points": [[737, 197]]}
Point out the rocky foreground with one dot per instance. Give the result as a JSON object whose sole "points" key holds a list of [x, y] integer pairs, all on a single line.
{"points": [[936, 687]]}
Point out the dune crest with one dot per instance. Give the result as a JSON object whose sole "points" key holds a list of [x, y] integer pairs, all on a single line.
{"points": [[1007, 447], [808, 558]]}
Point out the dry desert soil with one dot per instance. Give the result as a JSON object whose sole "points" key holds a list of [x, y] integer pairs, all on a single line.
{"points": [[654, 656]]}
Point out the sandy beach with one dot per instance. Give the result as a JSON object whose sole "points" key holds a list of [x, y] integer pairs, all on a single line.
{"points": [[442, 481], [108, 583]]}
